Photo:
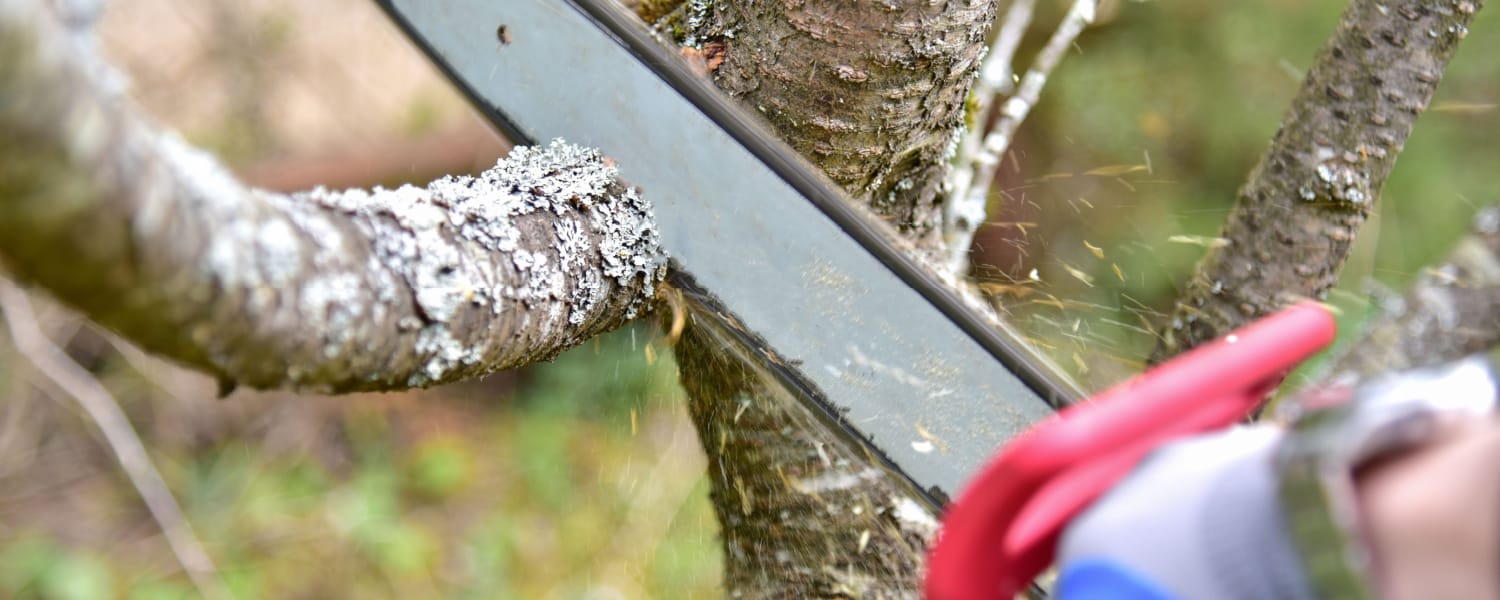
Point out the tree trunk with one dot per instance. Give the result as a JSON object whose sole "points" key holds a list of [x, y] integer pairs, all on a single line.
{"points": [[872, 93], [805, 513]]}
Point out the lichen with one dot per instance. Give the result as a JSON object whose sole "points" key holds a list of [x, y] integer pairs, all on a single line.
{"points": [[325, 290], [697, 18], [1340, 178], [556, 231]]}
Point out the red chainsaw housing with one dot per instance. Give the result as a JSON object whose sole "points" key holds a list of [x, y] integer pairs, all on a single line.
{"points": [[1004, 528]]}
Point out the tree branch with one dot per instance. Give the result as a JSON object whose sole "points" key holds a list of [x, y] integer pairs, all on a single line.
{"points": [[1451, 311], [326, 291], [1295, 219], [964, 210], [962, 215], [805, 513]]}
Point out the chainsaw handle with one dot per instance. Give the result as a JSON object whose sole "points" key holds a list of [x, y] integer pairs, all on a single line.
{"points": [[1003, 530]]}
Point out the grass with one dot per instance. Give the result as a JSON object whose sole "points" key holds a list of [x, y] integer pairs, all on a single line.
{"points": [[583, 480]]}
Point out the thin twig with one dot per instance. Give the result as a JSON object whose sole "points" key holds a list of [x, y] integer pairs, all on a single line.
{"points": [[968, 195], [996, 76], [100, 405], [19, 439], [159, 373]]}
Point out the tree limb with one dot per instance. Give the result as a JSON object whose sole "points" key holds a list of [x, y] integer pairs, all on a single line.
{"points": [[326, 291], [1451, 311], [873, 94], [805, 513], [962, 215], [964, 210], [1295, 219]]}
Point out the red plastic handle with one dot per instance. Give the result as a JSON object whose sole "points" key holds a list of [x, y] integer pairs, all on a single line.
{"points": [[1004, 528]]}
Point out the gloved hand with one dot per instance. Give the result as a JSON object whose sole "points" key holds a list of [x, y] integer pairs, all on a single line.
{"points": [[1199, 518], [1390, 487], [1127, 508], [1006, 526]]}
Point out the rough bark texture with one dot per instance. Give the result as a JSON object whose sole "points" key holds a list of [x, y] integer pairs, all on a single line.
{"points": [[1295, 219], [805, 514], [327, 291], [1452, 310], [871, 92]]}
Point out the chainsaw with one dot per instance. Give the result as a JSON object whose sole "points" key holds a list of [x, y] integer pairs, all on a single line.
{"points": [[862, 333], [804, 275]]}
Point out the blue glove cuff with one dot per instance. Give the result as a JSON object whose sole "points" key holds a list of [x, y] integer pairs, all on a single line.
{"points": [[1100, 579], [1199, 518]]}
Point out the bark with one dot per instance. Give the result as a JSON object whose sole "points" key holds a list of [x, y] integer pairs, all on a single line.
{"points": [[1295, 219], [326, 291], [872, 93], [1451, 311], [805, 513]]}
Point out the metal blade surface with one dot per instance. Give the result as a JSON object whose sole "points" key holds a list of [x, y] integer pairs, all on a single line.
{"points": [[883, 347]]}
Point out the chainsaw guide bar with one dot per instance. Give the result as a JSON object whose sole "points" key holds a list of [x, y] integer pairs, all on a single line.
{"points": [[861, 331]]}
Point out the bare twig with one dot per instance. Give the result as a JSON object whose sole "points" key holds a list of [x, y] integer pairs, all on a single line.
{"points": [[19, 437], [961, 216], [100, 405], [965, 209]]}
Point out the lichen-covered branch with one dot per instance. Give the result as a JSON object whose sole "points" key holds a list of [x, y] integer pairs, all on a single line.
{"points": [[1295, 219], [327, 291], [1451, 311]]}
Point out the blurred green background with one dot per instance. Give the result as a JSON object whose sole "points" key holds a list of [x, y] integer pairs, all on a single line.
{"points": [[1132, 160], [582, 478], [575, 479]]}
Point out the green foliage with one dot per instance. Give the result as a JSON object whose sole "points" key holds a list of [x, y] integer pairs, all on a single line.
{"points": [[162, 590], [440, 467]]}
